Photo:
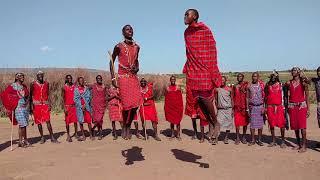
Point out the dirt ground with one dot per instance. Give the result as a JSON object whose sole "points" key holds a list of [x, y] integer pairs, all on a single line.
{"points": [[168, 159]]}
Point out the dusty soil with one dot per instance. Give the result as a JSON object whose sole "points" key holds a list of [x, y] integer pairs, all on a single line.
{"points": [[169, 159]]}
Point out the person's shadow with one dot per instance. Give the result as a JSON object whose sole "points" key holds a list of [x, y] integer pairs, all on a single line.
{"points": [[132, 155], [188, 157]]}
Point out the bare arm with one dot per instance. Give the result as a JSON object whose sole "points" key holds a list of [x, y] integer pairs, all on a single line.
{"points": [[135, 69], [115, 53]]}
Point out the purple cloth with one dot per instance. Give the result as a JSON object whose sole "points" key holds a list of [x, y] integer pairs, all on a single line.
{"points": [[256, 106]]}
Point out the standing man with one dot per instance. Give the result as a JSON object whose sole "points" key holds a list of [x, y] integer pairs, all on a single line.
{"points": [[274, 108], [316, 82], [40, 105], [201, 67], [241, 118], [298, 107], [173, 107], [99, 104], [148, 110], [82, 99], [224, 105], [69, 107], [15, 100], [130, 95], [255, 107]]}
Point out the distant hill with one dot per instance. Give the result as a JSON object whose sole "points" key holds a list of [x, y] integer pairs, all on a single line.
{"points": [[28, 70]]}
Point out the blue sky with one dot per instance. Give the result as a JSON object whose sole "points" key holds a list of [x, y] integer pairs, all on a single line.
{"points": [[250, 34]]}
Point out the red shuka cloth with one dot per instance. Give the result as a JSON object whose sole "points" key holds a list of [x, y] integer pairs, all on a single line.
{"points": [[297, 113], [173, 105], [275, 111], [71, 111], [10, 98], [114, 105], [201, 67], [128, 82], [240, 104], [40, 97], [148, 109], [99, 102]]}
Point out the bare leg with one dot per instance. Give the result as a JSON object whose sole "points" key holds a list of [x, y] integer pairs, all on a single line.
{"points": [[68, 133], [273, 141], [114, 130], [259, 137], [253, 140], [20, 132], [172, 130], [155, 129], [24, 135], [283, 144], [42, 140], [244, 140], [194, 125], [90, 131], [237, 136], [82, 136], [298, 140], [53, 139], [304, 141], [202, 134], [178, 132], [226, 138], [208, 107], [76, 130]]}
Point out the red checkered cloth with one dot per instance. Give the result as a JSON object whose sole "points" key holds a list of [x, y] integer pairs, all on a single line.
{"points": [[201, 67]]}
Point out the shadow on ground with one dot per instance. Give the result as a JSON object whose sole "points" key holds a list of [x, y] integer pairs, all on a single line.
{"points": [[132, 155]]}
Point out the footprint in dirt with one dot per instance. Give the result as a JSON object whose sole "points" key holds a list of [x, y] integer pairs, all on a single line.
{"points": [[133, 154]]}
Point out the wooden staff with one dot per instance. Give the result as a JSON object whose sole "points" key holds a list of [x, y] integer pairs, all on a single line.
{"points": [[12, 114], [145, 122]]}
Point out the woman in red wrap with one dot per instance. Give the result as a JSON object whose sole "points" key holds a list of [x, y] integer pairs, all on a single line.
{"points": [[148, 110], [99, 104], [241, 118], [15, 100], [298, 107], [130, 95], [275, 108], [40, 105], [173, 107], [201, 67], [70, 110]]}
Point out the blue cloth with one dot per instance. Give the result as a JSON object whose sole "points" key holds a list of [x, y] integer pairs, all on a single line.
{"points": [[86, 96], [21, 113]]}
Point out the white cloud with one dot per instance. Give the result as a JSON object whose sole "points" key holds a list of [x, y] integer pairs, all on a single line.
{"points": [[46, 49]]}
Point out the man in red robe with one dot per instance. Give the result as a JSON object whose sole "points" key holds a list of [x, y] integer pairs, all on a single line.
{"points": [[148, 110], [15, 100], [130, 95], [241, 118], [40, 105], [70, 110], [275, 108], [99, 104], [298, 107], [173, 107], [201, 67]]}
